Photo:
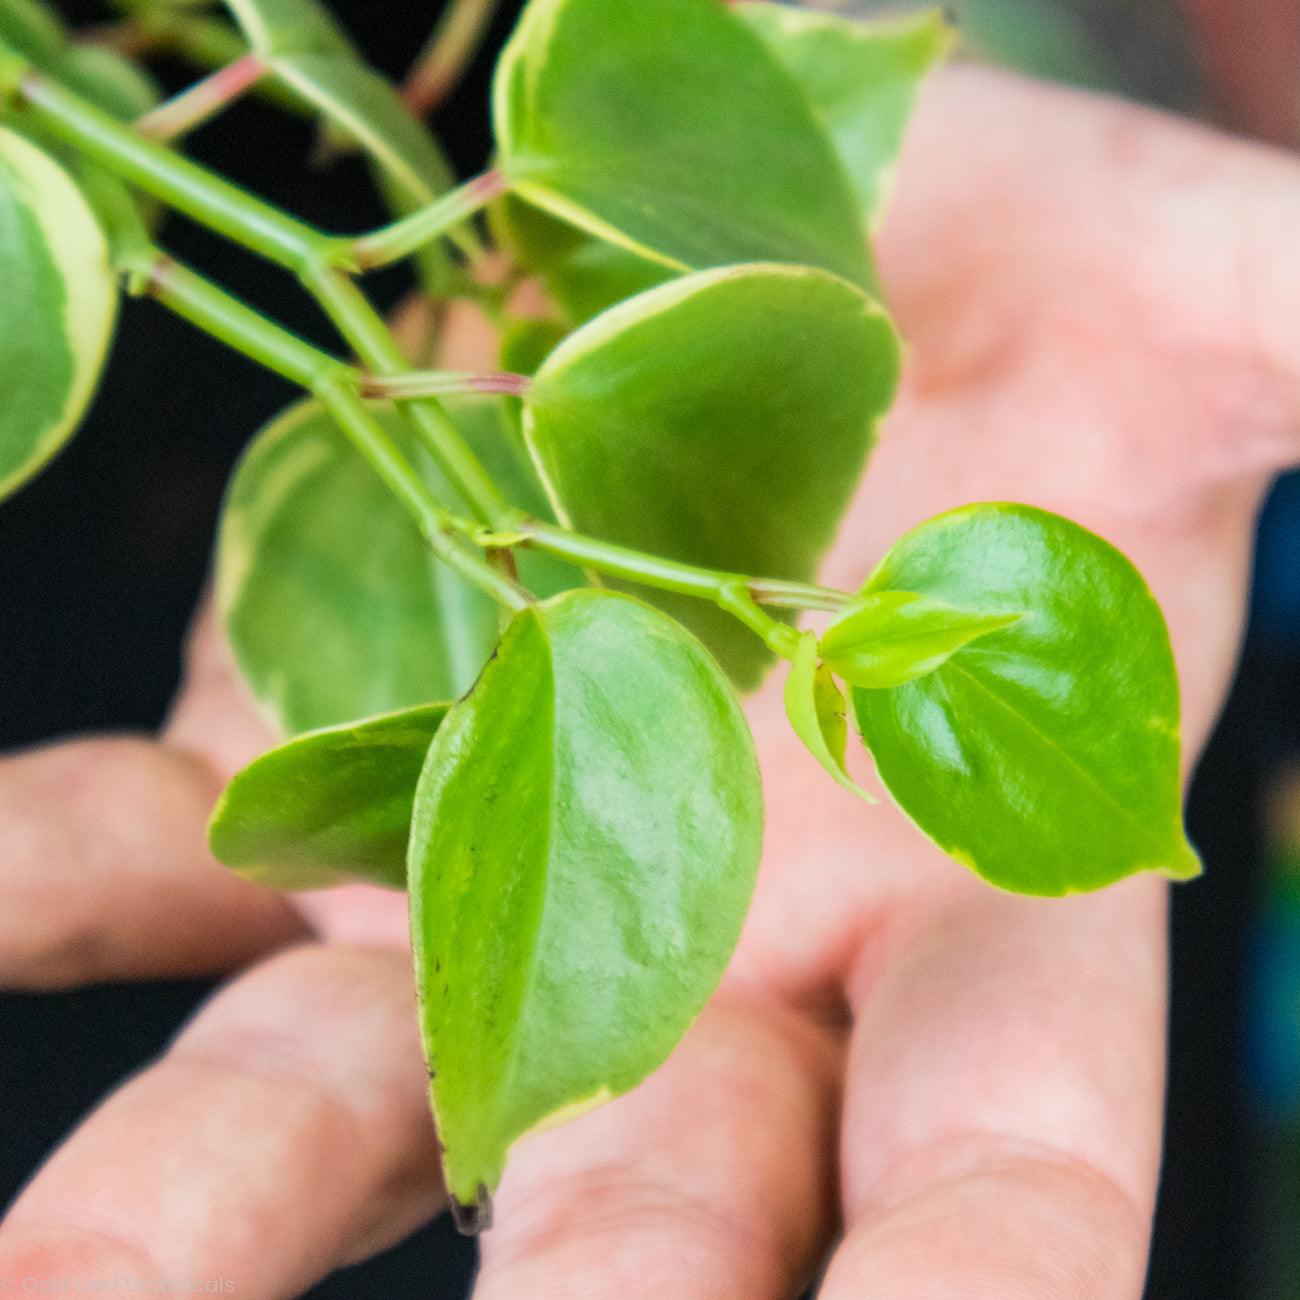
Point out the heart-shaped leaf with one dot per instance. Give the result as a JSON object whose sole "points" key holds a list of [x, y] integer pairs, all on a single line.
{"points": [[1044, 756], [671, 129], [722, 419], [585, 843], [816, 707], [328, 807], [334, 605], [887, 638], [861, 80], [60, 305]]}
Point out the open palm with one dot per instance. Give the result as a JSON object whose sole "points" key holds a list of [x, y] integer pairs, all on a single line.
{"points": [[957, 1091]]}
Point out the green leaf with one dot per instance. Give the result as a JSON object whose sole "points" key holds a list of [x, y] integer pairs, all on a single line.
{"points": [[723, 420], [887, 638], [585, 844], [60, 306], [333, 602], [861, 80], [815, 706], [328, 807], [670, 128], [1043, 756]]}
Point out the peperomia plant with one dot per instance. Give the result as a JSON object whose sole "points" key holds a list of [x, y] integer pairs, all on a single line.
{"points": [[501, 619]]}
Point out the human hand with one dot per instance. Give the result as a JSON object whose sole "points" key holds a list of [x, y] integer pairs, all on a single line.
{"points": [[962, 1087]]}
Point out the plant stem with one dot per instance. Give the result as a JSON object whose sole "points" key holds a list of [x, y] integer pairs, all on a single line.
{"points": [[797, 595], [451, 48], [393, 243], [173, 178], [240, 327], [224, 317], [154, 274], [733, 592], [365, 330], [203, 100], [319, 260], [435, 383], [281, 238]]}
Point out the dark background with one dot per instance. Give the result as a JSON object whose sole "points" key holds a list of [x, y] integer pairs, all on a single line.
{"points": [[103, 558]]}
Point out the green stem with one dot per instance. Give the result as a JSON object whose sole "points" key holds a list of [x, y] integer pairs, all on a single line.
{"points": [[365, 330], [394, 242], [797, 595], [733, 592], [438, 383], [178, 182], [316, 257], [240, 327], [213, 310], [281, 238], [154, 274]]}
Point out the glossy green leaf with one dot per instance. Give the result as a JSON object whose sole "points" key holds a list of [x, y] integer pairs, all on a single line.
{"points": [[861, 80], [60, 305], [816, 707], [328, 807], [334, 605], [585, 843], [722, 419], [671, 129], [1043, 756], [887, 638], [313, 57]]}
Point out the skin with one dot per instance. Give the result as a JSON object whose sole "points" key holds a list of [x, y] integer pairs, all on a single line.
{"points": [[914, 1083]]}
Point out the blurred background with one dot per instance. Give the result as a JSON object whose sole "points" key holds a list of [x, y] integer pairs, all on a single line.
{"points": [[104, 556]]}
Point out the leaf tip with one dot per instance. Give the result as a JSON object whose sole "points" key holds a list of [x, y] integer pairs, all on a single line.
{"points": [[1188, 866], [472, 1219]]}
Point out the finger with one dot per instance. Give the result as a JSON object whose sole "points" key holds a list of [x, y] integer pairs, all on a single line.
{"points": [[105, 874], [1003, 1108], [712, 1179], [285, 1133]]}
